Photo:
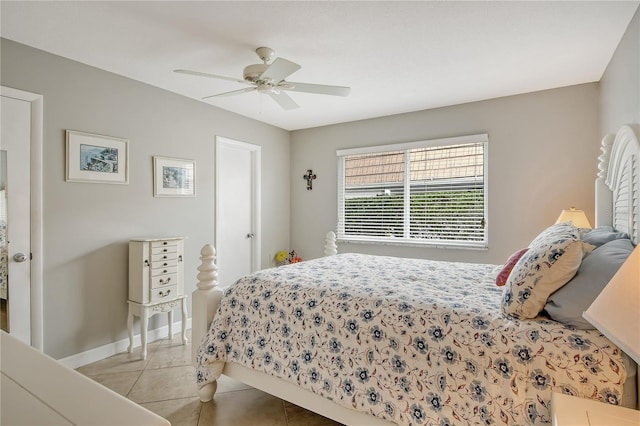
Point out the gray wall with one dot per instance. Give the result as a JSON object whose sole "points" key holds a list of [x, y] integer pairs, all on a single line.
{"points": [[542, 158], [87, 226], [620, 84]]}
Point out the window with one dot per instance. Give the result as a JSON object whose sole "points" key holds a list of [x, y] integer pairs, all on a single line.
{"points": [[428, 192]]}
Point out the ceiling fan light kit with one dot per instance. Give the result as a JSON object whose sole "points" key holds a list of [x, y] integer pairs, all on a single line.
{"points": [[253, 72], [269, 79]]}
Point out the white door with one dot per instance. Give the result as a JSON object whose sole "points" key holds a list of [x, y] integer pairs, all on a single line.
{"points": [[237, 209], [15, 244], [21, 114]]}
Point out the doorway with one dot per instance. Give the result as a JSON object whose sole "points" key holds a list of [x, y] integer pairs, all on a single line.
{"points": [[21, 212], [237, 209]]}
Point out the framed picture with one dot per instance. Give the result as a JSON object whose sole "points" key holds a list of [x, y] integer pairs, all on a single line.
{"points": [[96, 159], [174, 177]]}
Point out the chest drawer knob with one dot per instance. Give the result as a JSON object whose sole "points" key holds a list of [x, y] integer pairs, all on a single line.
{"points": [[165, 281], [164, 293]]}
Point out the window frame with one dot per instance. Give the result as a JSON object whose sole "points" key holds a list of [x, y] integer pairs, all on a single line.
{"points": [[482, 138]]}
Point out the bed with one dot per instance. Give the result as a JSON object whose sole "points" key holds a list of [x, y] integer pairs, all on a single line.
{"points": [[378, 340]]}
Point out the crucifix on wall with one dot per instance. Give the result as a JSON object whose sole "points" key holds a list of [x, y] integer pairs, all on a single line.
{"points": [[309, 177]]}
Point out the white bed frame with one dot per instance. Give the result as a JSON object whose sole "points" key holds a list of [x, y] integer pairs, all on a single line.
{"points": [[618, 182], [617, 205]]}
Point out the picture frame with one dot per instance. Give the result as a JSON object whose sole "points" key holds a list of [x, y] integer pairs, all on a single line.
{"points": [[95, 158], [174, 177]]}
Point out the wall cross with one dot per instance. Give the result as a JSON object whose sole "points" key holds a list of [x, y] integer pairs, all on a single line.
{"points": [[309, 177]]}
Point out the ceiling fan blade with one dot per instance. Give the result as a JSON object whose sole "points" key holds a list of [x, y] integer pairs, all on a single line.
{"points": [[284, 100], [232, 93], [204, 74], [317, 88], [279, 70]]}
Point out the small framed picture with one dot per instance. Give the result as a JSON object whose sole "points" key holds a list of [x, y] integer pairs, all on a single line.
{"points": [[96, 158], [174, 177]]}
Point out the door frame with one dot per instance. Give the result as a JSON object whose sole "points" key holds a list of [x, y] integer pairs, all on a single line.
{"points": [[256, 167], [36, 219]]}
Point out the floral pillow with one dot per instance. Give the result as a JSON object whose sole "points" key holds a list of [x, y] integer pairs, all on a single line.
{"points": [[559, 230], [551, 261]]}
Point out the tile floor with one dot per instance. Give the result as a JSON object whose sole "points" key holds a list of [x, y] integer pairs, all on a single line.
{"points": [[165, 384]]}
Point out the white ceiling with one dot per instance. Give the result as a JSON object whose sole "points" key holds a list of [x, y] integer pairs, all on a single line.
{"points": [[396, 56]]}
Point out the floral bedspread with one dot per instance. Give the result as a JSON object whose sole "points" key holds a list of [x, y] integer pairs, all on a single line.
{"points": [[417, 342]]}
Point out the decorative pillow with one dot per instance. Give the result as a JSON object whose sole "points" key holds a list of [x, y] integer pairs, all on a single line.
{"points": [[602, 235], [501, 279], [568, 303], [558, 230], [545, 267]]}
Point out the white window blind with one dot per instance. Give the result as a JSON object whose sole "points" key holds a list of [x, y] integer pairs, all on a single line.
{"points": [[430, 192]]}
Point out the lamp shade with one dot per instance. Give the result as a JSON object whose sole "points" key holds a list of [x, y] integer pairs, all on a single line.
{"points": [[616, 311], [577, 217]]}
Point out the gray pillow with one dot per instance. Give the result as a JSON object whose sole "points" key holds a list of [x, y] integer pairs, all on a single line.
{"points": [[568, 303], [602, 235]]}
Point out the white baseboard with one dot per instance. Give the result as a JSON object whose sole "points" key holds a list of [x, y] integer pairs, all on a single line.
{"points": [[105, 351]]}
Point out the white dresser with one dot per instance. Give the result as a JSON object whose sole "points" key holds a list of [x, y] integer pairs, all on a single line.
{"points": [[37, 390], [156, 283], [567, 410]]}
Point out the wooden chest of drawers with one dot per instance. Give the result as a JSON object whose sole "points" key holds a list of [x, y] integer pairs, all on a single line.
{"points": [[156, 269]]}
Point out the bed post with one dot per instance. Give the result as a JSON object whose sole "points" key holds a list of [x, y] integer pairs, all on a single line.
{"points": [[330, 247], [204, 304], [205, 299]]}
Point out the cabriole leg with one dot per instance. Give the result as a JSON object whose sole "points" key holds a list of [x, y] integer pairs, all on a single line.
{"points": [[130, 329], [184, 321], [144, 324], [170, 324]]}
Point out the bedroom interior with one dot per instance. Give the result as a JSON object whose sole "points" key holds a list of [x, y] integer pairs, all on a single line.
{"points": [[542, 149], [291, 332]]}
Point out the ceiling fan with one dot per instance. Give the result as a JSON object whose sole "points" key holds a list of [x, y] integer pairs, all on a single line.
{"points": [[270, 79]]}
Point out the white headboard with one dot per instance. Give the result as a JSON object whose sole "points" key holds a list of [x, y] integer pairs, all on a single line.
{"points": [[618, 183]]}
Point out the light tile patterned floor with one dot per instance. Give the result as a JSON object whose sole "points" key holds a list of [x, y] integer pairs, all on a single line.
{"points": [[165, 384]]}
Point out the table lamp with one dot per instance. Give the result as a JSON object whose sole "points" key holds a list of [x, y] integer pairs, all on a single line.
{"points": [[577, 217]]}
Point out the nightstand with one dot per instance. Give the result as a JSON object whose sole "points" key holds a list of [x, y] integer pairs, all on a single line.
{"points": [[569, 410], [156, 284]]}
